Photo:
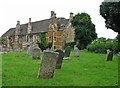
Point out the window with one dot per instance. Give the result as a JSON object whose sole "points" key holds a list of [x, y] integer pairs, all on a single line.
{"points": [[50, 39], [55, 38], [54, 47], [26, 38]]}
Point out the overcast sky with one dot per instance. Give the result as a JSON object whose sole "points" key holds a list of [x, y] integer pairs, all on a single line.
{"points": [[22, 10]]}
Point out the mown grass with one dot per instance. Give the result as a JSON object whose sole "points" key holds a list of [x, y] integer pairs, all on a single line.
{"points": [[0, 70], [89, 69]]}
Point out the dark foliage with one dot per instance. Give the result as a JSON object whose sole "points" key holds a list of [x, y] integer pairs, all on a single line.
{"points": [[84, 30]]}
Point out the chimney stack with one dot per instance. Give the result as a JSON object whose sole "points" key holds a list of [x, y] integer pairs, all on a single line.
{"points": [[29, 26], [52, 14], [53, 17], [18, 22], [29, 20], [71, 15]]}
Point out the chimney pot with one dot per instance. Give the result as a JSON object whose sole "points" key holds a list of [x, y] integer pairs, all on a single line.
{"points": [[52, 14], [29, 19], [18, 22]]}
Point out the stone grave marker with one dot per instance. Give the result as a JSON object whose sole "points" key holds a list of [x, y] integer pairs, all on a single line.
{"points": [[48, 64], [60, 58], [30, 49], [67, 53], [76, 51], [36, 53], [108, 50], [118, 54], [110, 56]]}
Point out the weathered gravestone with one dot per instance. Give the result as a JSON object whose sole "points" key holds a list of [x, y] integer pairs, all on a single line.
{"points": [[110, 55], [48, 64], [76, 51], [30, 50], [60, 58], [67, 53], [36, 53], [108, 50], [118, 53]]}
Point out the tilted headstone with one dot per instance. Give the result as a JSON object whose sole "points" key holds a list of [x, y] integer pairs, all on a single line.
{"points": [[76, 51], [110, 56], [67, 51], [36, 53], [60, 58], [48, 64]]}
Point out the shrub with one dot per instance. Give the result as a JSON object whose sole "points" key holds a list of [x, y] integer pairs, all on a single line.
{"points": [[101, 47], [41, 46]]}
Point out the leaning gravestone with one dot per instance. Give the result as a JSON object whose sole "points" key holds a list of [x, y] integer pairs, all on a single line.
{"points": [[76, 51], [36, 53], [48, 64], [60, 58], [67, 53], [110, 56]]}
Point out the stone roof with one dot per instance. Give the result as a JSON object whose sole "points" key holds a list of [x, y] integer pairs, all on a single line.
{"points": [[38, 26], [10, 32]]}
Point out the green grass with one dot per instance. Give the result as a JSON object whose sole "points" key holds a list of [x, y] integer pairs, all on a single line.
{"points": [[89, 69], [0, 70]]}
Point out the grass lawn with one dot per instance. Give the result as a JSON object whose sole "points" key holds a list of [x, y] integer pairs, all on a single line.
{"points": [[0, 70], [90, 69]]}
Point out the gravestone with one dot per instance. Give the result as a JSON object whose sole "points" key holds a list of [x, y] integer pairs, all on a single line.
{"points": [[60, 58], [67, 53], [110, 55], [48, 64], [76, 51], [36, 53], [118, 53], [108, 50], [30, 49]]}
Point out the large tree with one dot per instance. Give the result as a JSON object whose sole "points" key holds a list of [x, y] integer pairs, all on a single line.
{"points": [[110, 11], [84, 30]]}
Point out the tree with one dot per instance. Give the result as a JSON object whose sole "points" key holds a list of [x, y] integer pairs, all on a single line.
{"points": [[110, 11], [42, 42], [84, 30]]}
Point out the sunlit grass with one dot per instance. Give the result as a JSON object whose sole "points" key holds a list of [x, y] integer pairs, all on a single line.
{"points": [[89, 69]]}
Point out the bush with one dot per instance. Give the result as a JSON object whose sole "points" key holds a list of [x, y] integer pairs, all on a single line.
{"points": [[97, 48], [41, 46], [102, 47]]}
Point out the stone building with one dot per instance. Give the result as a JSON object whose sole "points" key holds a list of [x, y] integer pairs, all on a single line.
{"points": [[57, 30]]}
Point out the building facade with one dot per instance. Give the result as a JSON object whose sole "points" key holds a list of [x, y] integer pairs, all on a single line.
{"points": [[57, 31]]}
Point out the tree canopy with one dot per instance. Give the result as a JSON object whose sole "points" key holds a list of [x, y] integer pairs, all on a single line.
{"points": [[110, 11], [84, 30]]}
